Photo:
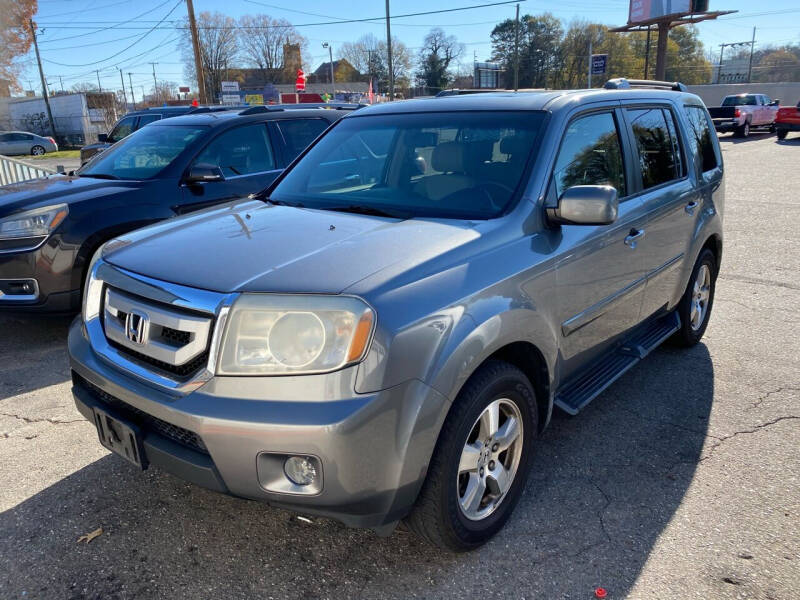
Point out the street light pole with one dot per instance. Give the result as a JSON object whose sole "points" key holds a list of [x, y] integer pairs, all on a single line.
{"points": [[330, 56], [389, 53]]}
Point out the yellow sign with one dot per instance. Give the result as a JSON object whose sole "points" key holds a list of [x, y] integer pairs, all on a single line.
{"points": [[254, 99]]}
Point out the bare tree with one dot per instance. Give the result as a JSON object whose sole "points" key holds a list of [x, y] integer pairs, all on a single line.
{"points": [[438, 51], [368, 55], [218, 41], [261, 42]]}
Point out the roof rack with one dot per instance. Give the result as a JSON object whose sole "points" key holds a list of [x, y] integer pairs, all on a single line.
{"points": [[261, 108], [621, 83]]}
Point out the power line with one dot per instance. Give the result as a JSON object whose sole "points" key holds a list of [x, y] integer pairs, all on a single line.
{"points": [[97, 62]]}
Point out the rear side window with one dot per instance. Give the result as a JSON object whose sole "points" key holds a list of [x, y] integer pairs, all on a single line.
{"points": [[700, 136], [590, 154], [240, 151], [122, 130], [656, 145], [145, 119], [299, 133]]}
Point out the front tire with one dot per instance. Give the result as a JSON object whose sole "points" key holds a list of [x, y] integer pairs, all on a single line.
{"points": [[480, 465], [695, 306], [37, 150], [782, 134]]}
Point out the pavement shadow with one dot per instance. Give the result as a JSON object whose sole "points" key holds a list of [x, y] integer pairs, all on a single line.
{"points": [[33, 352], [603, 487], [734, 139]]}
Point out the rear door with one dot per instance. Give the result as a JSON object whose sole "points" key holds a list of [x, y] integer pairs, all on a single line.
{"points": [[669, 193], [600, 274], [247, 158]]}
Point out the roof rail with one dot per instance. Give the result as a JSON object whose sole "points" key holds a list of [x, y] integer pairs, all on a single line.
{"points": [[261, 108], [622, 83]]}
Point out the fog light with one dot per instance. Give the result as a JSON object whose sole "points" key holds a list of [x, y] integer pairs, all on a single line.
{"points": [[300, 470]]}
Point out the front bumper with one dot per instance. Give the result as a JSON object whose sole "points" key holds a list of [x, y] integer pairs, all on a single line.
{"points": [[51, 266], [374, 448], [787, 126]]}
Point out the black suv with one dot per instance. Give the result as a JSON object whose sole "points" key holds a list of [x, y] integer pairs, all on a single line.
{"points": [[137, 119], [50, 227]]}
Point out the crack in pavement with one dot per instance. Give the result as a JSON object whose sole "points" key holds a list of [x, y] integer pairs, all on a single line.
{"points": [[756, 429], [51, 421], [761, 399], [759, 281]]}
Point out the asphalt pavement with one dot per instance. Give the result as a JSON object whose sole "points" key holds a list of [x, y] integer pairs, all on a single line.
{"points": [[680, 481]]}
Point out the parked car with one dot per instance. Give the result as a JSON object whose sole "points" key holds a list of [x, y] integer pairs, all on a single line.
{"points": [[22, 142], [742, 112], [788, 119], [383, 332], [50, 227], [137, 119]]}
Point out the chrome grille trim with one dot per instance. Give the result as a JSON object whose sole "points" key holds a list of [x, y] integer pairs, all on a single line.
{"points": [[117, 305], [201, 302]]}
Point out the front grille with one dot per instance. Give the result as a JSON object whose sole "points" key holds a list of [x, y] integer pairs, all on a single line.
{"points": [[177, 340], [147, 422]]}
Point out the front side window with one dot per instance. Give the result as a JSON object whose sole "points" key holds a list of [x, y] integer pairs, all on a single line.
{"points": [[122, 130], [590, 154], [462, 165], [659, 155], [145, 119], [240, 151], [299, 133], [700, 136], [143, 154]]}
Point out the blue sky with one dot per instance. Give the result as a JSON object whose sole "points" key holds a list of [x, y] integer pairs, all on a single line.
{"points": [[79, 32]]}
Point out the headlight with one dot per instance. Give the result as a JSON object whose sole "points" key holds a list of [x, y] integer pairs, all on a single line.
{"points": [[276, 334], [92, 289], [30, 228]]}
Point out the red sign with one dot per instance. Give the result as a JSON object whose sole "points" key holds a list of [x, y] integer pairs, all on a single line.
{"points": [[300, 83], [184, 89]]}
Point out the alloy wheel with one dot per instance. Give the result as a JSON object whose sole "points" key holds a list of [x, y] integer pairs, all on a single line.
{"points": [[489, 459], [701, 293]]}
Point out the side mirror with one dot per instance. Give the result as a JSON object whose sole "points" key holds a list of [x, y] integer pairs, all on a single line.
{"points": [[204, 173], [586, 205], [775, 102], [102, 138]]}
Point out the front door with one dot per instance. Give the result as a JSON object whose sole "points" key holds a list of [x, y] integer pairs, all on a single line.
{"points": [[600, 274], [246, 157]]}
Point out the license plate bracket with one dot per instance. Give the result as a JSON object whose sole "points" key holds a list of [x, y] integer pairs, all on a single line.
{"points": [[120, 436]]}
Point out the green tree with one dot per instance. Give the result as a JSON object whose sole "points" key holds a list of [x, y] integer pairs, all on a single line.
{"points": [[686, 61], [539, 48], [438, 52]]}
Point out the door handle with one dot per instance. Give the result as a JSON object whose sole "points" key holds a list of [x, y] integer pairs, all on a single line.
{"points": [[689, 208], [632, 237]]}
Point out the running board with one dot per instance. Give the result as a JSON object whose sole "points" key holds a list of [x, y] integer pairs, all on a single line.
{"points": [[586, 386]]}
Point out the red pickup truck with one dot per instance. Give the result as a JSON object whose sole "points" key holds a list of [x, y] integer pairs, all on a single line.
{"points": [[787, 119]]}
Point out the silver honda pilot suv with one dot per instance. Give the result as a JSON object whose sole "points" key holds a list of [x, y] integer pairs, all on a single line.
{"points": [[381, 334]]}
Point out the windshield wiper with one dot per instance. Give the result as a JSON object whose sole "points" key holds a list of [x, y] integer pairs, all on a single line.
{"points": [[360, 209], [280, 202], [98, 175]]}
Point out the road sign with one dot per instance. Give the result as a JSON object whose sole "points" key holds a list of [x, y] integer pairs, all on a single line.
{"points": [[599, 62], [231, 99], [300, 83], [229, 86], [184, 89]]}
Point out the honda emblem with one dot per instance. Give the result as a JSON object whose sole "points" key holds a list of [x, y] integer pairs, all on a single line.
{"points": [[136, 327]]}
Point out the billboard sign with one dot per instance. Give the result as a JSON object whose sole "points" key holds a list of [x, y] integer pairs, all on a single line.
{"points": [[599, 62], [229, 86], [642, 11]]}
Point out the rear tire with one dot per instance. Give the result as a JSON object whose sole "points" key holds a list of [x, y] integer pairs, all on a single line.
{"points": [[694, 308], [461, 504], [744, 130], [37, 150], [782, 133]]}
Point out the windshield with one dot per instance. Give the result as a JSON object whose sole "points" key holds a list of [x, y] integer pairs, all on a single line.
{"points": [[463, 165], [739, 101], [143, 154]]}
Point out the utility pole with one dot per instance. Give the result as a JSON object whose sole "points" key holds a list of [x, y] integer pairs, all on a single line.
{"points": [[719, 72], [44, 83], [590, 63], [750, 64], [516, 51], [155, 81], [99, 87], [133, 96], [198, 61], [61, 81], [330, 56], [124, 95], [389, 53]]}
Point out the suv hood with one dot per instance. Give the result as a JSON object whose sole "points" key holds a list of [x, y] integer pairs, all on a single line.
{"points": [[258, 247], [58, 189]]}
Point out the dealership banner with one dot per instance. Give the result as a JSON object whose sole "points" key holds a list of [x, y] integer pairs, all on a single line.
{"points": [[642, 11]]}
